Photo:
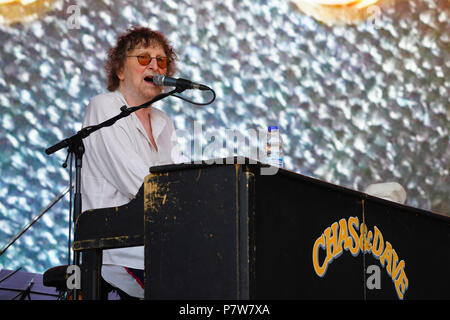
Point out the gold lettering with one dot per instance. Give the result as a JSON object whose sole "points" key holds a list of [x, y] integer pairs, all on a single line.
{"points": [[401, 284], [343, 235], [331, 240], [396, 267], [387, 256], [353, 221], [320, 269], [365, 238], [378, 244]]}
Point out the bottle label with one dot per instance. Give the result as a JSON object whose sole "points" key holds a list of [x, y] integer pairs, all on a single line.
{"points": [[274, 151]]}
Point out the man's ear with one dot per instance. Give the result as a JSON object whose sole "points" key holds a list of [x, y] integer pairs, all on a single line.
{"points": [[119, 74]]}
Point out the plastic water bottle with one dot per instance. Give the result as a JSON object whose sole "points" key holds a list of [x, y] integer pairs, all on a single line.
{"points": [[274, 148]]}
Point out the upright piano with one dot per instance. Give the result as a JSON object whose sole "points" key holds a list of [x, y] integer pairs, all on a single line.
{"points": [[236, 229]]}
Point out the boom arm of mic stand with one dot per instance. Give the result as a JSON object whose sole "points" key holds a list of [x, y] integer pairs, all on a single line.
{"points": [[85, 132]]}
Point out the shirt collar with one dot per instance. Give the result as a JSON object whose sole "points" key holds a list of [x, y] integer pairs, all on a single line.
{"points": [[157, 120]]}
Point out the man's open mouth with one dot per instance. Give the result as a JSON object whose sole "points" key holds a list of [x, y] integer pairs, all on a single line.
{"points": [[148, 79]]}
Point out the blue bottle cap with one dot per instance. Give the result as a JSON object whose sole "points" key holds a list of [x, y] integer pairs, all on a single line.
{"points": [[273, 128]]}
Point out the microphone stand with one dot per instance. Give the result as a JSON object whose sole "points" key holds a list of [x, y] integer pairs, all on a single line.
{"points": [[33, 221], [75, 145]]}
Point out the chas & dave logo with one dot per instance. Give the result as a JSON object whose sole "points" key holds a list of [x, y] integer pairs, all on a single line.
{"points": [[344, 236]]}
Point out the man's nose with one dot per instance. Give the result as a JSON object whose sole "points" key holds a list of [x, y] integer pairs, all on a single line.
{"points": [[153, 64]]}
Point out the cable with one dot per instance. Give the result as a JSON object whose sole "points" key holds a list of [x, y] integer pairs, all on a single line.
{"points": [[197, 103]]}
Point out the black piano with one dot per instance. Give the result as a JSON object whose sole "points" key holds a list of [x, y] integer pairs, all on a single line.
{"points": [[238, 230]]}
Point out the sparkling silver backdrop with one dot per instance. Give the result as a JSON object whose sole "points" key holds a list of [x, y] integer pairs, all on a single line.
{"points": [[355, 104]]}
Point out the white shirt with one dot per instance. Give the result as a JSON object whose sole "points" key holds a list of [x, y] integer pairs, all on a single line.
{"points": [[117, 159]]}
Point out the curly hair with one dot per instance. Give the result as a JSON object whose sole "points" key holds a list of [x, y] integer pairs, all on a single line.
{"points": [[133, 38]]}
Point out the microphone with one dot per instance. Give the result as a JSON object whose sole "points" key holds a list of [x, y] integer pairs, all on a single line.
{"points": [[181, 83]]}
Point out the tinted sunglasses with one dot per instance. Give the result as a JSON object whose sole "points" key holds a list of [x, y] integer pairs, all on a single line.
{"points": [[145, 60]]}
